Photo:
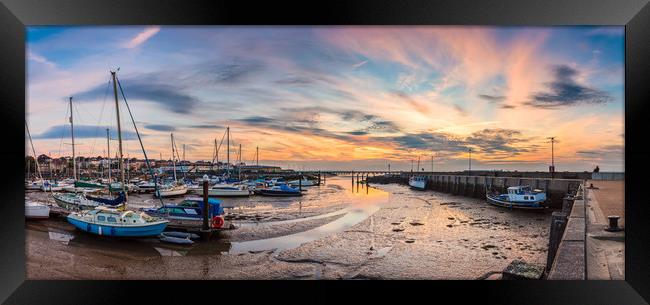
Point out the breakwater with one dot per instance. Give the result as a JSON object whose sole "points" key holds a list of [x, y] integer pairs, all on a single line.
{"points": [[475, 186]]}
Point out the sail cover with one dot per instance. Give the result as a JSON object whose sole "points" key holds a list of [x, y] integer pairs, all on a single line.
{"points": [[112, 202]]}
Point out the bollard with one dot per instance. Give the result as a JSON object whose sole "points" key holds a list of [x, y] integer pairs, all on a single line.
{"points": [[206, 211], [319, 178], [558, 224], [613, 223], [300, 184]]}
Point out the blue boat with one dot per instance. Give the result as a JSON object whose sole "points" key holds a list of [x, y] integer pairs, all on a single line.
{"points": [[282, 190], [188, 214], [518, 197], [113, 222]]}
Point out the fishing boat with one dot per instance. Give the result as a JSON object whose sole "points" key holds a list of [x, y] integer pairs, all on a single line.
{"points": [[282, 190], [74, 201], [118, 222], [418, 182], [518, 197], [225, 190], [188, 214], [114, 222], [36, 210], [303, 182]]}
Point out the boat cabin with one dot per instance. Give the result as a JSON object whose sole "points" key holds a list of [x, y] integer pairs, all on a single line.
{"points": [[525, 194]]}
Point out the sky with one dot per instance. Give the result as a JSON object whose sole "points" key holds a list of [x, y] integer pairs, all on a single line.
{"points": [[336, 97]]}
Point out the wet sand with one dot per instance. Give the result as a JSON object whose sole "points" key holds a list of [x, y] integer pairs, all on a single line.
{"points": [[385, 232]]}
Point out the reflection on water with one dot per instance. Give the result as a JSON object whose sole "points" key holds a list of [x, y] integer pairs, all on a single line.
{"points": [[363, 201]]}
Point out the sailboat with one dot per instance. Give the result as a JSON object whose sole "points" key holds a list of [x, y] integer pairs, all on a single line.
{"points": [[176, 188], [35, 209], [118, 222]]}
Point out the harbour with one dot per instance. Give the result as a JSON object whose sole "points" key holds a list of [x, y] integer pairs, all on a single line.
{"points": [[386, 231]]}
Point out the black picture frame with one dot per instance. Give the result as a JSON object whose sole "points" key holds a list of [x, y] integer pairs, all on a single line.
{"points": [[633, 14]]}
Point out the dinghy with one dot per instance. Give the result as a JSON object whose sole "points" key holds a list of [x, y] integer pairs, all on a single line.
{"points": [[282, 190]]}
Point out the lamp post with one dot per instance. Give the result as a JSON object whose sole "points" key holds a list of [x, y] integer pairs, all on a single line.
{"points": [[470, 161]]}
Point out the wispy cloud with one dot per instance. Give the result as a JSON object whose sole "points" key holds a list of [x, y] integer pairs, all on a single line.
{"points": [[142, 37]]}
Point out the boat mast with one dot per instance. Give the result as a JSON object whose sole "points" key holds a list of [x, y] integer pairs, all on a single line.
{"points": [[74, 160], [257, 156], [108, 146], [418, 163], [173, 158], [432, 164], [239, 164], [38, 168], [119, 134]]}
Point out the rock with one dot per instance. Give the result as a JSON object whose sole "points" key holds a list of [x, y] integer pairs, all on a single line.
{"points": [[415, 223], [520, 270], [398, 230], [396, 223], [451, 218], [409, 241], [449, 226]]}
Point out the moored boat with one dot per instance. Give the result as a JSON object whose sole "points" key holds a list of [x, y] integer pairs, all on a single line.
{"points": [[303, 182], [518, 197], [172, 190], [188, 214], [418, 182], [36, 210], [282, 190], [74, 201], [113, 222], [225, 190]]}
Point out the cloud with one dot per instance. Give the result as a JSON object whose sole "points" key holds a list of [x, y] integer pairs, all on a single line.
{"points": [[359, 65], [418, 106], [142, 37], [40, 59], [230, 72], [160, 127], [83, 131], [499, 142], [171, 97], [206, 126], [565, 91], [492, 98]]}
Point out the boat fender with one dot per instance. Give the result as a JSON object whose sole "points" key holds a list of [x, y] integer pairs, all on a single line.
{"points": [[217, 222]]}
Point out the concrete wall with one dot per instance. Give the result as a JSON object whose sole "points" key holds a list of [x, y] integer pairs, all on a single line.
{"points": [[608, 176], [570, 261], [474, 186]]}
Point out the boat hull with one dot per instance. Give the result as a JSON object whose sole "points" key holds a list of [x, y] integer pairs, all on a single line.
{"points": [[37, 211], [278, 194], [515, 205], [224, 193], [418, 184], [171, 193], [118, 231], [73, 206]]}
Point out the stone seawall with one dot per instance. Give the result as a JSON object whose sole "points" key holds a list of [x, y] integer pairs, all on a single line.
{"points": [[475, 186]]}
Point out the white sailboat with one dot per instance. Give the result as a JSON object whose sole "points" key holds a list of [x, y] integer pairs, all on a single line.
{"points": [[36, 210], [177, 188]]}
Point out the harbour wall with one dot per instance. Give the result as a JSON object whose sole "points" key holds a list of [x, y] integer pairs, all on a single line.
{"points": [[475, 186], [567, 241]]}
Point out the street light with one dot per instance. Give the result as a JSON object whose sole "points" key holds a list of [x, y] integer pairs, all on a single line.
{"points": [[470, 161]]}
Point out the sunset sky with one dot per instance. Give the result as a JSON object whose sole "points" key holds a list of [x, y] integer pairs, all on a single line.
{"points": [[338, 97]]}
